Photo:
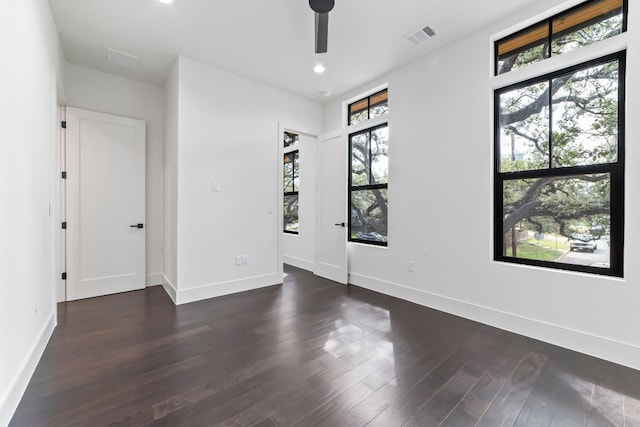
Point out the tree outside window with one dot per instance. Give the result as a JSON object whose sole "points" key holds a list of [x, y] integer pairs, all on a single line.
{"points": [[368, 182], [560, 168]]}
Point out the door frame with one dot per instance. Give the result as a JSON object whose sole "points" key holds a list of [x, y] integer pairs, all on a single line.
{"points": [[61, 205], [70, 205]]}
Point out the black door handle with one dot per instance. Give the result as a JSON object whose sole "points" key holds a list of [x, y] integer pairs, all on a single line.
{"points": [[341, 224], [137, 226]]}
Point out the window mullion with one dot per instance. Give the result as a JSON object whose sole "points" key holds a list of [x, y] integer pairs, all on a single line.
{"points": [[550, 121]]}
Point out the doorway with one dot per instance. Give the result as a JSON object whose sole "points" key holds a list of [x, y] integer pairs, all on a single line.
{"points": [[104, 184]]}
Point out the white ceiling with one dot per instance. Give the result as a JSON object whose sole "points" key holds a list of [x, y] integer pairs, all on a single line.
{"points": [[271, 41]]}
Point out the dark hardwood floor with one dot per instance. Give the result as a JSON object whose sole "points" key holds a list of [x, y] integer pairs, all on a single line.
{"points": [[309, 353]]}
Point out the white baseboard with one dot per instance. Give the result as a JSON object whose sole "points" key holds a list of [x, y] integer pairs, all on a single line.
{"points": [[184, 296], [299, 262], [169, 288], [14, 393], [153, 279], [604, 348]]}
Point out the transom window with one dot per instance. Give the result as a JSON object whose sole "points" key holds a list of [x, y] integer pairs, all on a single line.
{"points": [[582, 25], [372, 106]]}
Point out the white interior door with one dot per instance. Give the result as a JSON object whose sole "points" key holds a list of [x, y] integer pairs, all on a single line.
{"points": [[331, 258], [105, 164]]}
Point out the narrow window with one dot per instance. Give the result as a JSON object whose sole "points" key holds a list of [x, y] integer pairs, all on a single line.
{"points": [[291, 183], [368, 182]]}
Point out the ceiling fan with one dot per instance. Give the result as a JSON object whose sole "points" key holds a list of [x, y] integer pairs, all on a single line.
{"points": [[322, 9]]}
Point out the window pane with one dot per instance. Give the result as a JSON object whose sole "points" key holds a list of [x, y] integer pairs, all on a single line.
{"points": [[584, 26], [360, 159], [288, 173], [290, 210], [358, 111], [524, 128], [296, 171], [379, 104], [369, 215], [523, 49], [379, 154], [585, 116], [290, 139], [559, 219]]}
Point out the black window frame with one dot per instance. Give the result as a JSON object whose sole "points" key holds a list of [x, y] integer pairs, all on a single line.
{"points": [[550, 36], [370, 186], [616, 171], [295, 154], [369, 106]]}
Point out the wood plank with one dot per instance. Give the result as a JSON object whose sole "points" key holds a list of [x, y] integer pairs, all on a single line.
{"points": [[507, 405], [309, 352]]}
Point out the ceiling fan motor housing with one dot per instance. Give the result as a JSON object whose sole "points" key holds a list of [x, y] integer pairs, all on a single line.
{"points": [[322, 6]]}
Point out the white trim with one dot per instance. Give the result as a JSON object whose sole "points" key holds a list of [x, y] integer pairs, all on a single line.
{"points": [[368, 124], [213, 290], [16, 390], [153, 279], [169, 288], [300, 263], [605, 348]]}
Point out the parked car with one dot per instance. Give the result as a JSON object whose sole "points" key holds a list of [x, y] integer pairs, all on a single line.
{"points": [[583, 242]]}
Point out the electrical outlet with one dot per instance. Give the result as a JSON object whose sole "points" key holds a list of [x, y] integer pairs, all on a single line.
{"points": [[35, 305], [215, 187], [239, 260], [411, 266], [245, 259]]}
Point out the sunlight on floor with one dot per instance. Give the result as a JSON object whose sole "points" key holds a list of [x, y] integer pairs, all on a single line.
{"points": [[607, 404], [348, 339]]}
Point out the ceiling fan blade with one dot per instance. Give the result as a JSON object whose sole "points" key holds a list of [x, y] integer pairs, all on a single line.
{"points": [[322, 32]]}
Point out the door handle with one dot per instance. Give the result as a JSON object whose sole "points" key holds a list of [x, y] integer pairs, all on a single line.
{"points": [[137, 226], [341, 224]]}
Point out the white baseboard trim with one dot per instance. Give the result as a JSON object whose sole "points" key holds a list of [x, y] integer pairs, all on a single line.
{"points": [[185, 296], [14, 393], [153, 279], [169, 288], [604, 348], [299, 262]]}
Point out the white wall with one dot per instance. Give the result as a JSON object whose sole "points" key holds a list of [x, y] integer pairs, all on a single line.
{"points": [[228, 133], [300, 249], [440, 210], [29, 78], [170, 184], [97, 91]]}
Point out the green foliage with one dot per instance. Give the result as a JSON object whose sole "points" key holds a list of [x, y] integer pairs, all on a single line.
{"points": [[534, 251], [584, 132]]}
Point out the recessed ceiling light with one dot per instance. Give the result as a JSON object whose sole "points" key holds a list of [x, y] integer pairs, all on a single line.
{"points": [[319, 69], [166, 1]]}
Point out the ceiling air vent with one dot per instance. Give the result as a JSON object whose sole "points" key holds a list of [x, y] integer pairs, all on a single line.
{"points": [[121, 58], [420, 35]]}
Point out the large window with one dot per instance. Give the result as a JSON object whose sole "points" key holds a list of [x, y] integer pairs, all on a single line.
{"points": [[559, 168], [368, 181], [582, 25], [291, 183]]}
